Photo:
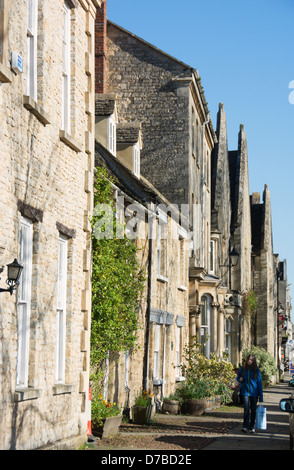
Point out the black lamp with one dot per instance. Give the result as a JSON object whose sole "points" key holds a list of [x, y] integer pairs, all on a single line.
{"points": [[14, 271], [234, 257]]}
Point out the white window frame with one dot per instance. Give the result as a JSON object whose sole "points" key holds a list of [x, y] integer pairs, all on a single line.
{"points": [[162, 229], [32, 35], [205, 324], [182, 236], [24, 303], [136, 161], [156, 369], [61, 310], [178, 351], [112, 135], [228, 337], [212, 253], [65, 115]]}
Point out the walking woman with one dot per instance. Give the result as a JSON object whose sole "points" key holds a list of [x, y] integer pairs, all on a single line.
{"points": [[249, 377]]}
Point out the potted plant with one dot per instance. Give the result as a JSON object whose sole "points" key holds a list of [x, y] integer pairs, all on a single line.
{"points": [[142, 410], [195, 395], [171, 404], [106, 417]]}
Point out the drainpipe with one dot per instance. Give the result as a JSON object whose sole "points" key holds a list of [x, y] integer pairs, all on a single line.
{"points": [[163, 361], [148, 312]]}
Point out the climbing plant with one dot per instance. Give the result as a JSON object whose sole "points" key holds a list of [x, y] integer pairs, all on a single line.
{"points": [[249, 303], [117, 283]]}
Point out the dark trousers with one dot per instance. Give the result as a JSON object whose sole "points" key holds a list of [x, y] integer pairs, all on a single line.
{"points": [[250, 404]]}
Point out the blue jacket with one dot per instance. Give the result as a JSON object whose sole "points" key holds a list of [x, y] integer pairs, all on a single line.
{"points": [[250, 386]]}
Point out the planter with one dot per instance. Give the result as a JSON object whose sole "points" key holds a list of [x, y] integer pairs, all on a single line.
{"points": [[170, 406], [142, 414], [209, 403], [217, 401], [195, 406], [110, 427]]}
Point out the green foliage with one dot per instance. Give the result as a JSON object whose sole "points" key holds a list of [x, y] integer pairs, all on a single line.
{"points": [[206, 377], [249, 303], [199, 389], [117, 284], [144, 398], [101, 409], [264, 360], [197, 366]]}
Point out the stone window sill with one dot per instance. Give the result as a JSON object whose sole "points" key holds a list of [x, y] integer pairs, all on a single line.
{"points": [[60, 389], [183, 288], [158, 381], [26, 394], [35, 109], [162, 278], [5, 74], [180, 379], [68, 140]]}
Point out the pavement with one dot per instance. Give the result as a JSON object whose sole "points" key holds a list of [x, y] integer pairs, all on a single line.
{"points": [[275, 437], [213, 431]]}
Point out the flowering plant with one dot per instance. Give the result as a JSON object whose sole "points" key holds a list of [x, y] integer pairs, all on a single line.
{"points": [[144, 398], [101, 409]]}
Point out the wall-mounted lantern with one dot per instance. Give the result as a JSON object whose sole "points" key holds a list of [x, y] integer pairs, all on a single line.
{"points": [[14, 271], [233, 261]]}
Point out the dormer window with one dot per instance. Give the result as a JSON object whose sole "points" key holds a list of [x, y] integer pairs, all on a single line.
{"points": [[136, 161], [112, 135]]}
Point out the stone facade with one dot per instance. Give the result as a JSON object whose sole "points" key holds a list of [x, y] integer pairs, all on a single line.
{"points": [[231, 228], [46, 200], [166, 96], [163, 312], [264, 272], [189, 163]]}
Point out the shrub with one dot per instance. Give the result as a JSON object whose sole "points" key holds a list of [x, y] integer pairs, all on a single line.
{"points": [[197, 366], [199, 389], [101, 409], [144, 398], [264, 360]]}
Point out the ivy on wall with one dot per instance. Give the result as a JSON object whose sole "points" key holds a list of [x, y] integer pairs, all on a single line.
{"points": [[117, 285], [249, 303]]}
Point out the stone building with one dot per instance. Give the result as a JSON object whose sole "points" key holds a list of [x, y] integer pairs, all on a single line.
{"points": [[285, 340], [166, 96], [189, 163], [161, 235], [47, 160], [264, 272], [231, 229]]}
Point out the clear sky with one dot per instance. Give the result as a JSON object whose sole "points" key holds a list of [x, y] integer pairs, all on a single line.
{"points": [[244, 52]]}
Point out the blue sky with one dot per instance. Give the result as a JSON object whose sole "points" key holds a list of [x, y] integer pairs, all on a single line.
{"points": [[244, 52]]}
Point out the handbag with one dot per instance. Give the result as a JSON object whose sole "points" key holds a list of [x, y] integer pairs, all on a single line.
{"points": [[260, 418]]}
